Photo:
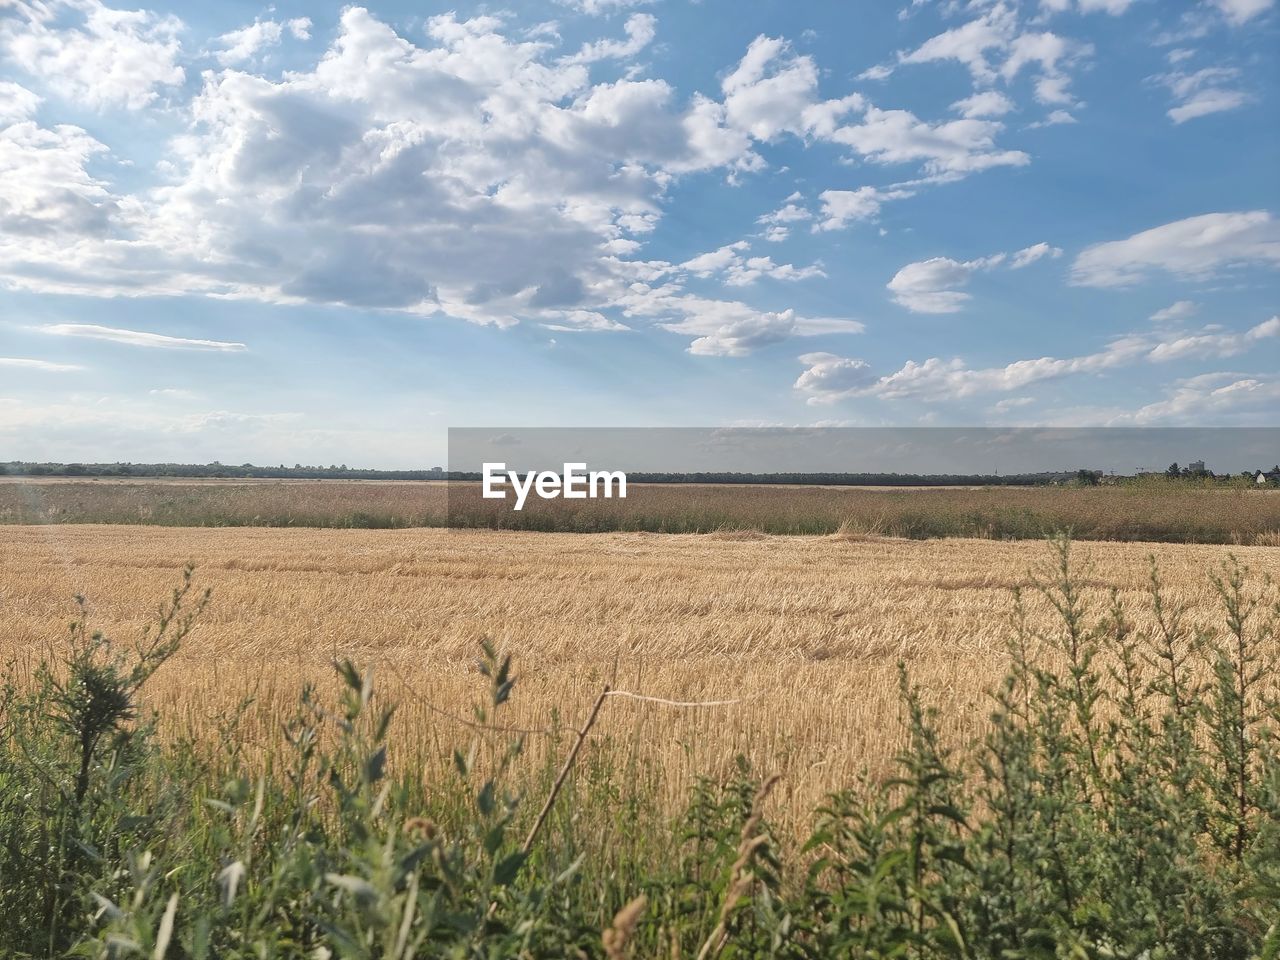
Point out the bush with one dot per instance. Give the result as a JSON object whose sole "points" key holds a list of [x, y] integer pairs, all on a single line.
{"points": [[1125, 803]]}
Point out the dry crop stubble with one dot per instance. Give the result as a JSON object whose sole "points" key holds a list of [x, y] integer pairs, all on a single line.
{"points": [[804, 631]]}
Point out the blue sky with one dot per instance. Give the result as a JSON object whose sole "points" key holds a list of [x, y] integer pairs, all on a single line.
{"points": [[315, 233]]}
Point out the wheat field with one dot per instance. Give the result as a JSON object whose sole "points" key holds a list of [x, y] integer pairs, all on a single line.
{"points": [[803, 632], [1228, 512]]}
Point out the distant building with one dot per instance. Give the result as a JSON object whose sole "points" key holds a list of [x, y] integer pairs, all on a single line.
{"points": [[1260, 479], [1196, 466]]}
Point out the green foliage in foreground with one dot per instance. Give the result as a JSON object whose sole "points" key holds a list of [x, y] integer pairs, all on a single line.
{"points": [[1124, 804]]}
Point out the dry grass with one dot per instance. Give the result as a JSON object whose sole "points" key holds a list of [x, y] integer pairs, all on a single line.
{"points": [[806, 631], [1176, 513]]}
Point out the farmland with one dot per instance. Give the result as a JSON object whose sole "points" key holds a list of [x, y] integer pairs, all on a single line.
{"points": [[1152, 511], [706, 741], [805, 632]]}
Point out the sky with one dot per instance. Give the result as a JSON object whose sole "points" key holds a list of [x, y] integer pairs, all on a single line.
{"points": [[315, 233]]}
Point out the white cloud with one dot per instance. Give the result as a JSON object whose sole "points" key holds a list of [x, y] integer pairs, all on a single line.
{"points": [[582, 321], [1238, 12], [138, 338], [50, 205], [739, 270], [1204, 102], [789, 212], [1206, 91], [1009, 404], [938, 380], [724, 327], [993, 46], [832, 376], [841, 207], [1214, 343], [104, 58], [949, 148], [244, 44], [17, 103], [928, 286], [773, 91], [987, 103], [706, 264], [933, 286], [1029, 255], [739, 338], [600, 7], [1113, 7], [472, 177], [640, 28], [1178, 310], [1207, 398], [1197, 248], [27, 364], [1055, 118], [775, 223]]}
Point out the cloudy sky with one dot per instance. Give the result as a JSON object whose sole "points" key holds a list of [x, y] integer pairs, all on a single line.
{"points": [[322, 233]]}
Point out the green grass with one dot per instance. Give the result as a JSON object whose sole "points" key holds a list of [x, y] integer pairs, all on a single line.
{"points": [[1124, 803]]}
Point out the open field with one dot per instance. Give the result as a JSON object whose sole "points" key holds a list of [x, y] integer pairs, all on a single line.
{"points": [[1157, 512], [1095, 782], [805, 632]]}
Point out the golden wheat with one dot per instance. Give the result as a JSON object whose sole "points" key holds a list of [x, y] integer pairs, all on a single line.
{"points": [[1176, 513], [805, 632]]}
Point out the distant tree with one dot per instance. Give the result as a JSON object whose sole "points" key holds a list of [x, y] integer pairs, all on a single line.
{"points": [[1088, 478], [1174, 470]]}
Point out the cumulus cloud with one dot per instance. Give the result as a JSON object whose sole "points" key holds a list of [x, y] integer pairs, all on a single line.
{"points": [[842, 207], [244, 44], [724, 327], [994, 46], [933, 286], [988, 103], [472, 177], [1207, 398], [102, 58], [138, 338], [1214, 343], [929, 286], [17, 103], [945, 149], [1197, 248], [640, 28], [830, 376], [777, 223], [937, 379], [476, 175], [738, 269], [773, 91]]}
